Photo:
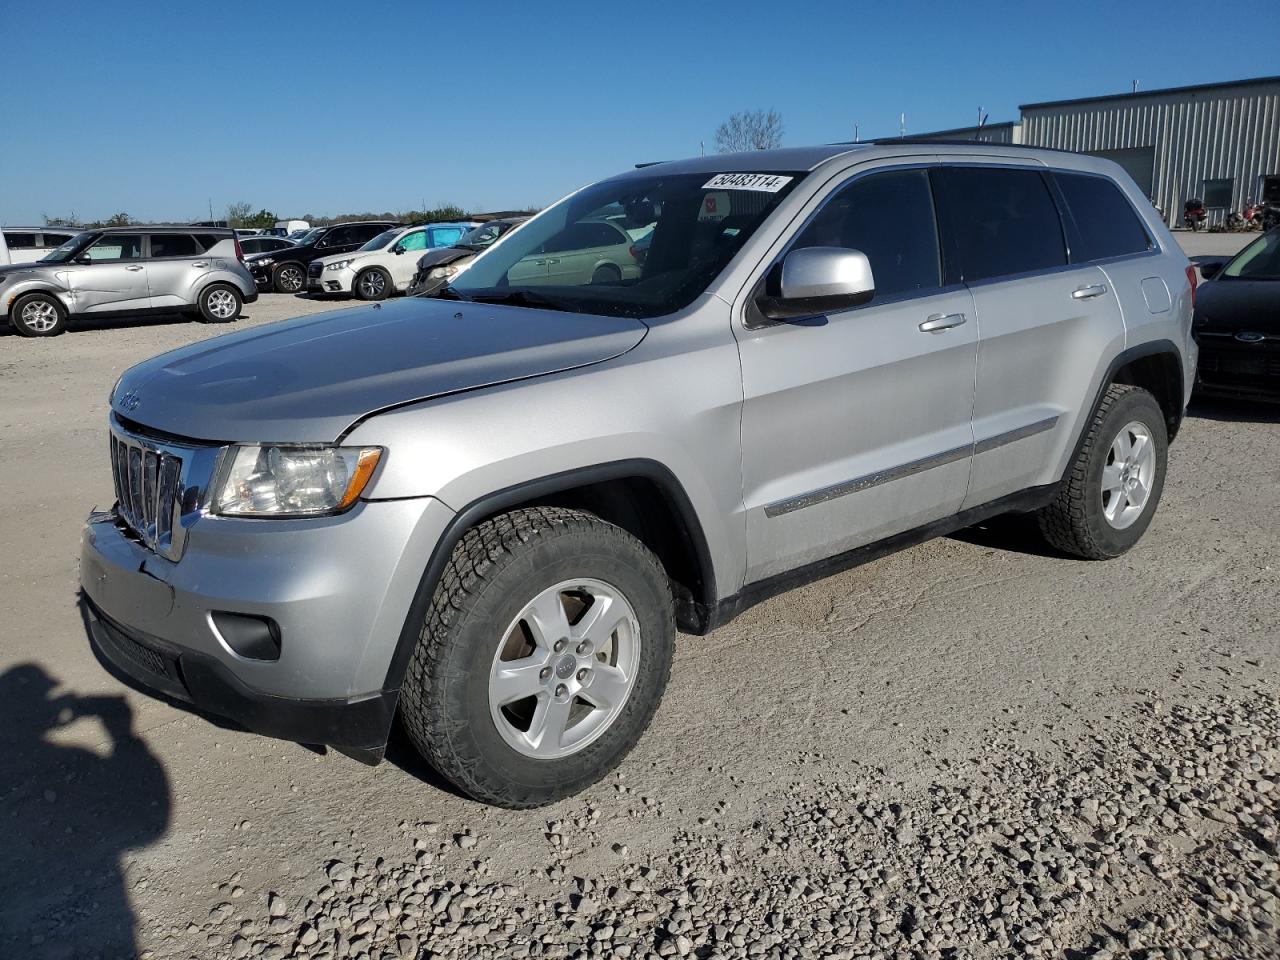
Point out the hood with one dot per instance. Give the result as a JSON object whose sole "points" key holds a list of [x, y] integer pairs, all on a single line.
{"points": [[274, 254], [309, 379], [1233, 305], [349, 255], [443, 255]]}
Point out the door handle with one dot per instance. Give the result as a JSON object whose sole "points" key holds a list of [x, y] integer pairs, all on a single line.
{"points": [[1089, 292], [134, 267], [553, 260], [200, 263], [942, 321]]}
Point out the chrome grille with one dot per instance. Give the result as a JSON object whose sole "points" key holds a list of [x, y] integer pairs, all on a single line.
{"points": [[148, 483]]}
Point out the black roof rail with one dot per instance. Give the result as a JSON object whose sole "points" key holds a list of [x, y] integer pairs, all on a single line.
{"points": [[944, 142]]}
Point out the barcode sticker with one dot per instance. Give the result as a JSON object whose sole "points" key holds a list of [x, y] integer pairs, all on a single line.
{"points": [[764, 182]]}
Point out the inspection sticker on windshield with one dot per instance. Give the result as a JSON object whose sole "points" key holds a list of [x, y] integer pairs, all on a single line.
{"points": [[764, 182]]}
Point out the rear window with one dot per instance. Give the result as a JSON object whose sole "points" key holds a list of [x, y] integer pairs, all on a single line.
{"points": [[1105, 222], [174, 245], [20, 241], [1002, 221], [206, 241]]}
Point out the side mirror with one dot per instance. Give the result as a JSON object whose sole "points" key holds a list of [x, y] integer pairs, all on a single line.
{"points": [[816, 280], [397, 249], [84, 260], [1210, 268]]}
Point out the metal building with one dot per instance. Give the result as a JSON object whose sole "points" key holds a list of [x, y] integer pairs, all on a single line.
{"points": [[1216, 141]]}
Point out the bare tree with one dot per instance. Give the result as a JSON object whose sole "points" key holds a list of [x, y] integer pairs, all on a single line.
{"points": [[750, 130], [238, 213]]}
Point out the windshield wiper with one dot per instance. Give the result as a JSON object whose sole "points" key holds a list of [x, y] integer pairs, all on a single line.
{"points": [[519, 298], [449, 292]]}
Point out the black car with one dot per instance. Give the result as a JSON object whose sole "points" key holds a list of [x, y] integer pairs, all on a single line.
{"points": [[263, 244], [1237, 322], [285, 271], [436, 267]]}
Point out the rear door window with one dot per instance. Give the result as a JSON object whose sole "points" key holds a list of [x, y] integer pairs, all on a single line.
{"points": [[164, 245], [889, 217], [1106, 225], [20, 241], [56, 239], [999, 221]]}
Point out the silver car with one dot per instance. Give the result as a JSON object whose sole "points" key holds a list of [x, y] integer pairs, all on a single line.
{"points": [[490, 512], [128, 270]]}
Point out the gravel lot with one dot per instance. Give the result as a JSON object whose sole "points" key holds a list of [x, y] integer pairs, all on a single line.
{"points": [[974, 748]]}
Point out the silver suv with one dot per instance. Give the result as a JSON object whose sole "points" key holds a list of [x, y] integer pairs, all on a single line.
{"points": [[128, 270], [490, 512]]}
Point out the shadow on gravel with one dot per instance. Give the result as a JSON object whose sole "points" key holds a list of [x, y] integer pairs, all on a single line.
{"points": [[402, 753], [1012, 532], [91, 324], [1233, 411], [69, 814]]}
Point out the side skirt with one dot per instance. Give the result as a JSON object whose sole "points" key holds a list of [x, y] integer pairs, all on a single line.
{"points": [[754, 593]]}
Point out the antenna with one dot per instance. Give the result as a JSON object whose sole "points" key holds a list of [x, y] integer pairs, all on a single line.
{"points": [[855, 133], [702, 148], [902, 124], [1135, 86]]}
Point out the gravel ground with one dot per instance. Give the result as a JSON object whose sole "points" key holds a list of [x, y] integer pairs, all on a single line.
{"points": [[974, 748]]}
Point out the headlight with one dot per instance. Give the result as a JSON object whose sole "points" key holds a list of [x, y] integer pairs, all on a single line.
{"points": [[268, 262], [446, 271], [339, 265], [292, 481]]}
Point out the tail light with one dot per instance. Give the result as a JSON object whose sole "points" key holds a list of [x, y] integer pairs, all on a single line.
{"points": [[637, 253], [1191, 278], [239, 252]]}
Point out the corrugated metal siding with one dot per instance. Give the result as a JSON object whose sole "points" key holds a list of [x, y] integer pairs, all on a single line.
{"points": [[1207, 135], [992, 133]]}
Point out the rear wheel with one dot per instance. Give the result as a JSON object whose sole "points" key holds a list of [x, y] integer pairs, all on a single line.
{"points": [[372, 284], [1109, 495], [289, 278], [606, 273], [542, 658], [38, 315], [220, 303]]}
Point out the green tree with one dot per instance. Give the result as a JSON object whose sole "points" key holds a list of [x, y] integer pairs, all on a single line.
{"points": [[262, 219]]}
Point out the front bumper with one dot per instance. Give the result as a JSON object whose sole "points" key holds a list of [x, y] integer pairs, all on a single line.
{"points": [[1229, 368], [330, 281], [338, 589]]}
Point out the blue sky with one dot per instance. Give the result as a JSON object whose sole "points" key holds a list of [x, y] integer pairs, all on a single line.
{"points": [[325, 107]]}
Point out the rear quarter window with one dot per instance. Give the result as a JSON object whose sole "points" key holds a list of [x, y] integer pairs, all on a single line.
{"points": [[174, 245], [1106, 225], [1001, 221], [20, 241]]}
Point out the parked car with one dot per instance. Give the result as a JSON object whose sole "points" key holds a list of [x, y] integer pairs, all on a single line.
{"points": [[264, 244], [487, 512], [1237, 322], [435, 267], [137, 269], [383, 266], [289, 228], [243, 232], [29, 244], [285, 271], [587, 252]]}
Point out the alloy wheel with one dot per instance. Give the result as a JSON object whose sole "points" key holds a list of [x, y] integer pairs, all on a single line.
{"points": [[222, 304], [372, 284], [39, 316], [291, 279], [1129, 475], [564, 668]]}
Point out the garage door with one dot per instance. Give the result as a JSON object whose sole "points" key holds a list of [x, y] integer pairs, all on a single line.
{"points": [[1138, 162]]}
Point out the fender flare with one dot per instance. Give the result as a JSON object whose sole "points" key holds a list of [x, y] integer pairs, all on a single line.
{"points": [[499, 500]]}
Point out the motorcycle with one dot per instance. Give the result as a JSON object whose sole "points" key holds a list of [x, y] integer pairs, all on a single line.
{"points": [[1193, 214]]}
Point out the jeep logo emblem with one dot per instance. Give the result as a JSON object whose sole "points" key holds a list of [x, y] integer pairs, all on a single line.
{"points": [[129, 401]]}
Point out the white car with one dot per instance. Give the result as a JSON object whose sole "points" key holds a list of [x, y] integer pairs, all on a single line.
{"points": [[386, 264], [29, 244]]}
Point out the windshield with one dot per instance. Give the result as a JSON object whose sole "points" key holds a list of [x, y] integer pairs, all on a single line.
{"points": [[581, 255], [311, 236], [381, 240], [479, 237], [1258, 261], [68, 250]]}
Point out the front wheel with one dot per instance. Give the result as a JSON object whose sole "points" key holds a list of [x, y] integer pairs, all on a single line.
{"points": [[542, 658], [38, 315], [1109, 495], [373, 284], [289, 278]]}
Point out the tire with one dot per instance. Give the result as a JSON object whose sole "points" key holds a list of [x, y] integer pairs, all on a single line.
{"points": [[450, 702], [289, 278], [606, 273], [38, 315], [219, 303], [1107, 498], [372, 284]]}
